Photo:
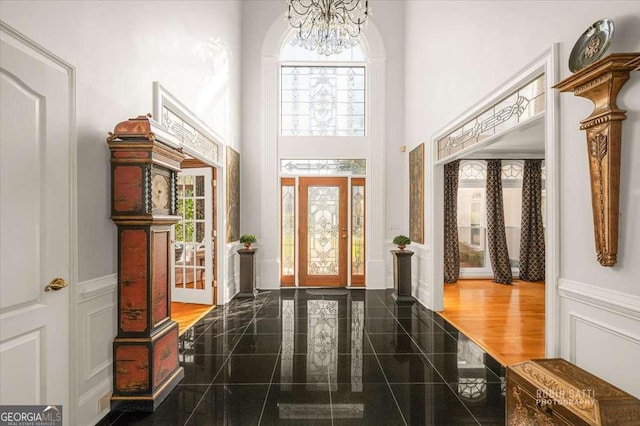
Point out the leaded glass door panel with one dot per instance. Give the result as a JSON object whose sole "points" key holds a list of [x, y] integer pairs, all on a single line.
{"points": [[323, 231]]}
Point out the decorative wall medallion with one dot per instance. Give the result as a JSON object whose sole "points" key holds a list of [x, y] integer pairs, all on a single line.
{"points": [[591, 45], [592, 48]]}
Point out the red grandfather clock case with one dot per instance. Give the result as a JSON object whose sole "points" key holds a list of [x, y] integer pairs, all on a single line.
{"points": [[145, 159]]}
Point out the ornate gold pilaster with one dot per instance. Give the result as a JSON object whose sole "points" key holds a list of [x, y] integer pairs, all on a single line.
{"points": [[600, 82]]}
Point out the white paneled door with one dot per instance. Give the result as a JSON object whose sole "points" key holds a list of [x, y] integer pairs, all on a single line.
{"points": [[35, 227], [193, 238]]}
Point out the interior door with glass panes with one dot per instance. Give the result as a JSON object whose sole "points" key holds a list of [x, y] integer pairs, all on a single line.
{"points": [[193, 239], [323, 231]]}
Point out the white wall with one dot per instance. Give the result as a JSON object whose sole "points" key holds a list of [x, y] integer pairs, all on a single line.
{"points": [[258, 17], [457, 53], [119, 48]]}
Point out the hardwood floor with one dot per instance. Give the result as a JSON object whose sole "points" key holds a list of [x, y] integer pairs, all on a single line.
{"points": [[187, 314], [507, 321]]}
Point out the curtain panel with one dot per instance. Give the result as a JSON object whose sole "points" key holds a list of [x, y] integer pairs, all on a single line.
{"points": [[496, 233], [451, 248], [532, 246]]}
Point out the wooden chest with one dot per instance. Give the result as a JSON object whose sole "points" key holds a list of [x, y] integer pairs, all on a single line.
{"points": [[556, 392]]}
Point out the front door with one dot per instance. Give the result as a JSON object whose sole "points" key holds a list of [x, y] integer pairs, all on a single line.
{"points": [[323, 231], [193, 246], [35, 223]]}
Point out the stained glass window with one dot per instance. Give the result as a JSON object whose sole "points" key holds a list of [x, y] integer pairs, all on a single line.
{"points": [[520, 106], [322, 101], [336, 166], [323, 230], [188, 135], [288, 228], [357, 230]]}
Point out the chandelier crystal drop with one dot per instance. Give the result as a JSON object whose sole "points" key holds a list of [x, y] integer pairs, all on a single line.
{"points": [[327, 26]]}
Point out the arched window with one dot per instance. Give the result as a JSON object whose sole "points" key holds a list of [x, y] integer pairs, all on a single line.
{"points": [[322, 95], [293, 51]]}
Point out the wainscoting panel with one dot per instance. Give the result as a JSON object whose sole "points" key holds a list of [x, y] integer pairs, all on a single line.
{"points": [[600, 332], [97, 321], [420, 288], [231, 282]]}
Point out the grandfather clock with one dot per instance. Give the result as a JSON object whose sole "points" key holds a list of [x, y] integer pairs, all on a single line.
{"points": [[144, 162]]}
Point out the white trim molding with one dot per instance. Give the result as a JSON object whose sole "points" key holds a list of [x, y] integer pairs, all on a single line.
{"points": [[97, 287], [627, 305], [162, 98], [600, 328], [574, 319]]}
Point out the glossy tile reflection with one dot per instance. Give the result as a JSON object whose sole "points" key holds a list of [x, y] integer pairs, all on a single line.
{"points": [[291, 357]]}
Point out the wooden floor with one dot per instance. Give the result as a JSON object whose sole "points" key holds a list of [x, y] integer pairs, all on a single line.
{"points": [[507, 321], [187, 314]]}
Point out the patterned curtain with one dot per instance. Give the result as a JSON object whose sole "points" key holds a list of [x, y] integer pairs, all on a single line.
{"points": [[496, 233], [451, 248], [532, 229]]}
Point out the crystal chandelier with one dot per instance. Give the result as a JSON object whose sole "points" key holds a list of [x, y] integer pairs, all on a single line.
{"points": [[327, 26]]}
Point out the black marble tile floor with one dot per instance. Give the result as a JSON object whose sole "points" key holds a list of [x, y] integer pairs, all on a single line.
{"points": [[294, 358]]}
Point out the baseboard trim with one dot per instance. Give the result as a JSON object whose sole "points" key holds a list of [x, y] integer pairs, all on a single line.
{"points": [[627, 305], [91, 397]]}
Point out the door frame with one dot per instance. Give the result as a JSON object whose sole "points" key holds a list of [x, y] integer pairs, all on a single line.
{"points": [[189, 164], [547, 62], [74, 292], [162, 98], [304, 279]]}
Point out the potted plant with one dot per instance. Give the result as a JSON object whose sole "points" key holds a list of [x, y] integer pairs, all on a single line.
{"points": [[247, 240], [401, 241]]}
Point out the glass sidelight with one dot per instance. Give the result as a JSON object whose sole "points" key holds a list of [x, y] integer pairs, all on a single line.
{"points": [[357, 231]]}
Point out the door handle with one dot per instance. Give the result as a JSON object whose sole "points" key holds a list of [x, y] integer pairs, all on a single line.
{"points": [[56, 284]]}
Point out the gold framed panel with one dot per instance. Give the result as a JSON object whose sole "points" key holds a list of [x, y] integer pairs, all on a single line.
{"points": [[416, 194], [233, 195]]}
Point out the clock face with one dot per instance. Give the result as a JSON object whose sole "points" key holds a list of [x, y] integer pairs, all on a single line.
{"points": [[160, 192]]}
